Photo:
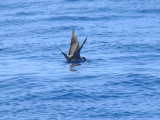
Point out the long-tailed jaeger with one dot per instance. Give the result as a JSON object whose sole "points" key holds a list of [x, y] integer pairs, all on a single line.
{"points": [[74, 52]]}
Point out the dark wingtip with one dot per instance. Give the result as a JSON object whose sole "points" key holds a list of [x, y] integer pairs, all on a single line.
{"points": [[85, 40]]}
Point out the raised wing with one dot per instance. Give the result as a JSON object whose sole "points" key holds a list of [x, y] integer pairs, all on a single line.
{"points": [[64, 54], [74, 44], [77, 52]]}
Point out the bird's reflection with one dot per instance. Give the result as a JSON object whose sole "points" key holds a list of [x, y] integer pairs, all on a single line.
{"points": [[73, 65]]}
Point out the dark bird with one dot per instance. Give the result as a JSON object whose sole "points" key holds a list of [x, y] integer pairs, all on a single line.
{"points": [[74, 52]]}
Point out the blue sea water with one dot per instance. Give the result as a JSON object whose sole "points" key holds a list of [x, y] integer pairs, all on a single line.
{"points": [[119, 81]]}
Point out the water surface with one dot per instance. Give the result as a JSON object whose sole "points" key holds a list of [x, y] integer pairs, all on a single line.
{"points": [[120, 80]]}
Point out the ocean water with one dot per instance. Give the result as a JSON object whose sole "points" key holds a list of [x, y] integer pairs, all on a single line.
{"points": [[119, 81]]}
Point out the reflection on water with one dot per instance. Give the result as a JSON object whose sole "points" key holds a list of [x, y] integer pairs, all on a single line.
{"points": [[73, 65]]}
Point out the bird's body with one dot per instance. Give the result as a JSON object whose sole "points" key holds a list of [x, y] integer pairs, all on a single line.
{"points": [[74, 52]]}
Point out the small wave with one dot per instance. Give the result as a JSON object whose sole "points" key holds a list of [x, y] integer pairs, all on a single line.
{"points": [[31, 13], [149, 11], [83, 18]]}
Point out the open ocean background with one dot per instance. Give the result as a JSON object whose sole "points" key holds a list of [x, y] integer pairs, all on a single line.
{"points": [[120, 81]]}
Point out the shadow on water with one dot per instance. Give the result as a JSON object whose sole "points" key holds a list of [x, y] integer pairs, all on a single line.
{"points": [[73, 65]]}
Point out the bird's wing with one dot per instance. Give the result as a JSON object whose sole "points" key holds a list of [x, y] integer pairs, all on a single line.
{"points": [[77, 52], [65, 55], [74, 44]]}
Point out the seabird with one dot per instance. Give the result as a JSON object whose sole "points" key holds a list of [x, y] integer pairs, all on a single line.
{"points": [[74, 52]]}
